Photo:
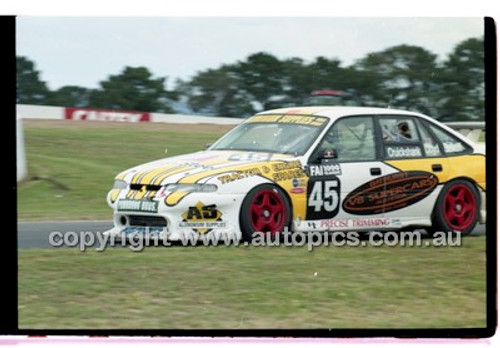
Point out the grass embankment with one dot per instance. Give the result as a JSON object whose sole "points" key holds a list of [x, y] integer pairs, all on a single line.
{"points": [[72, 164]]}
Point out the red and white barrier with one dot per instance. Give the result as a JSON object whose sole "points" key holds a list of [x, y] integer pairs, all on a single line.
{"points": [[88, 114], [84, 114]]}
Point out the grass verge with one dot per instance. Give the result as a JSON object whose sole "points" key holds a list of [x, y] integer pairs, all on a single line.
{"points": [[252, 287]]}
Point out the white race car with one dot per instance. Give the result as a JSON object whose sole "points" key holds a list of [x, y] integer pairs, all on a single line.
{"points": [[311, 169]]}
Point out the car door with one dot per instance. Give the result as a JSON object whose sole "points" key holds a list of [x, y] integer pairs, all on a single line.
{"points": [[416, 153], [345, 161]]}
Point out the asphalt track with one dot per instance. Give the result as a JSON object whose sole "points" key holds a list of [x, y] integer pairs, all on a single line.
{"points": [[36, 234]]}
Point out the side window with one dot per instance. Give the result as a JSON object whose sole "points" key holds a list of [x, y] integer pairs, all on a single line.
{"points": [[399, 130], [349, 139], [451, 145], [431, 146], [400, 137]]}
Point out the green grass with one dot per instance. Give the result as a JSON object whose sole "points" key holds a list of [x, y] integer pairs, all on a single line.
{"points": [[78, 165], [254, 287]]}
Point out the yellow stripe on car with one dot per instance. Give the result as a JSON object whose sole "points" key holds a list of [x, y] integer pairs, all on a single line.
{"points": [[113, 195], [264, 169]]}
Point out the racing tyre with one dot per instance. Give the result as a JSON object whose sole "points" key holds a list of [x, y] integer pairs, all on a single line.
{"points": [[457, 208], [265, 209]]}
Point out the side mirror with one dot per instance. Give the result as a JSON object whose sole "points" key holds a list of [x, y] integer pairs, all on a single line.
{"points": [[207, 145]]}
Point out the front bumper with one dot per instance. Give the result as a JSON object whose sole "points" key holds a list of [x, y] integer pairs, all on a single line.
{"points": [[199, 214]]}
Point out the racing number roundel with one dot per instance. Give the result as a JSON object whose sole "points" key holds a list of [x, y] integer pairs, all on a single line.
{"points": [[323, 197]]}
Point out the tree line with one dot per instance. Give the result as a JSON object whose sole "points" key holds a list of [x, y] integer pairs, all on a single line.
{"points": [[403, 76]]}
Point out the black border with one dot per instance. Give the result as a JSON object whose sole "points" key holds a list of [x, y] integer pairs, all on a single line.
{"points": [[8, 313], [490, 80], [8, 255]]}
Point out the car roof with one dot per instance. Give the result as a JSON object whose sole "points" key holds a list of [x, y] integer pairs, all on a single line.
{"points": [[338, 111], [334, 112]]}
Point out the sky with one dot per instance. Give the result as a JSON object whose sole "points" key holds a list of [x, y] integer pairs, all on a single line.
{"points": [[83, 51]]}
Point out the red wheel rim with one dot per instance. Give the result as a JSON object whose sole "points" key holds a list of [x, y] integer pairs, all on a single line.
{"points": [[268, 212], [459, 207]]}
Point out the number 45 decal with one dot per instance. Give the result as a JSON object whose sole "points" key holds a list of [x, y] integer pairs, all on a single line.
{"points": [[323, 198]]}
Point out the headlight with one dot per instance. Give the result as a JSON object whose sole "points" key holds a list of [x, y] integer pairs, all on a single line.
{"points": [[191, 187], [120, 185]]}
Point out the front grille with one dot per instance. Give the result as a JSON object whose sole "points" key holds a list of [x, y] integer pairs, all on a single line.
{"points": [[138, 187], [147, 221]]}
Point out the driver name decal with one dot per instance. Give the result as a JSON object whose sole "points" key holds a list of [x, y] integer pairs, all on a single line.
{"points": [[390, 192], [403, 151]]}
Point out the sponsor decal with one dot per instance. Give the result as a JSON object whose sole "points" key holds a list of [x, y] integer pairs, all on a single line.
{"points": [[355, 223], [299, 186], [403, 151], [325, 169], [137, 205], [202, 218], [312, 225], [323, 197], [431, 149], [316, 121], [139, 230], [453, 147], [281, 171], [390, 192], [85, 114], [241, 174], [250, 156], [288, 171]]}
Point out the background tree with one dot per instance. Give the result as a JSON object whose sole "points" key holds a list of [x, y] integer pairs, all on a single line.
{"points": [[261, 76], [217, 92], [70, 96], [463, 81], [405, 76], [30, 89], [133, 89]]}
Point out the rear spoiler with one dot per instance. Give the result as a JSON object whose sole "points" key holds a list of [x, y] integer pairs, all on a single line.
{"points": [[472, 130]]}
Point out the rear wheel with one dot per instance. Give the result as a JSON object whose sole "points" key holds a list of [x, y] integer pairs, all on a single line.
{"points": [[265, 209], [457, 208]]}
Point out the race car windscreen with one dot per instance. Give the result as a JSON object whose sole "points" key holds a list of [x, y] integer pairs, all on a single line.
{"points": [[288, 134]]}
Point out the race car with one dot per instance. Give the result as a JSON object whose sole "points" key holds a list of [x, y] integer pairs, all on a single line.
{"points": [[330, 168]]}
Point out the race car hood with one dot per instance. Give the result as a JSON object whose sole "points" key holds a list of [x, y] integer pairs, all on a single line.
{"points": [[191, 167]]}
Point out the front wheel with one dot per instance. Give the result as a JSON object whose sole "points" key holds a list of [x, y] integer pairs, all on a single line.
{"points": [[457, 208], [265, 209]]}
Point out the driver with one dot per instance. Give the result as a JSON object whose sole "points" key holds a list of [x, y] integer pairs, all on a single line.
{"points": [[404, 130]]}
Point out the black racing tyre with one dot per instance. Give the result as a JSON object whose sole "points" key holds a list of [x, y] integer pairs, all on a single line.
{"points": [[457, 208], [266, 209]]}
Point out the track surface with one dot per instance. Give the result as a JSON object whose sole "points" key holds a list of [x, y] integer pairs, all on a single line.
{"points": [[36, 234]]}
